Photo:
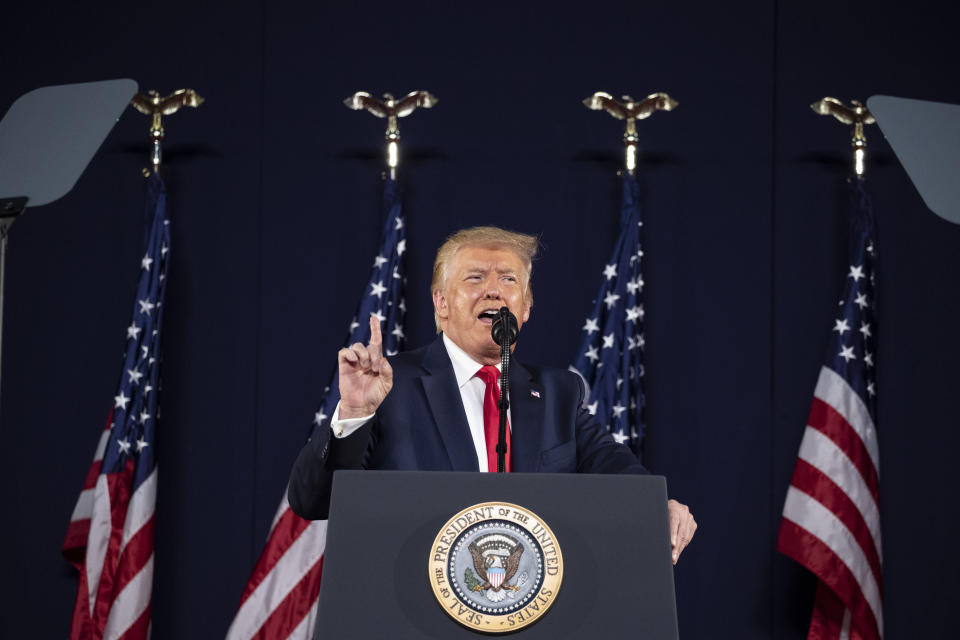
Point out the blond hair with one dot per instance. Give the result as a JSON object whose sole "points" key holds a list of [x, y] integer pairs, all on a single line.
{"points": [[523, 245]]}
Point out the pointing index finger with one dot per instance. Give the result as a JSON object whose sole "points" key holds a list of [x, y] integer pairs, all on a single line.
{"points": [[376, 339]]}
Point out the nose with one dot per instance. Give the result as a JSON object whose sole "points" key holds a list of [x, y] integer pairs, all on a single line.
{"points": [[492, 288]]}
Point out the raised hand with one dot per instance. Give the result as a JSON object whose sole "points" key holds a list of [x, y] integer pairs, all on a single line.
{"points": [[365, 375]]}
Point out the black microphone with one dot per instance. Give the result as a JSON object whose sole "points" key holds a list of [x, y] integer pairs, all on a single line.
{"points": [[505, 328], [504, 333]]}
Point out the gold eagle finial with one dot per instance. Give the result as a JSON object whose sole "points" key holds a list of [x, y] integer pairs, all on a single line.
{"points": [[857, 115], [391, 109], [631, 110], [157, 107]]}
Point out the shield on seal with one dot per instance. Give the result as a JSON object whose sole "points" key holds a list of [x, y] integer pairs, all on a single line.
{"points": [[495, 576]]}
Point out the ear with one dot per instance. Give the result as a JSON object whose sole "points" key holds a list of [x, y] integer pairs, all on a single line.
{"points": [[440, 305]]}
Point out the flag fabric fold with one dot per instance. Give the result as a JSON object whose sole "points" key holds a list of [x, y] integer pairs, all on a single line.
{"points": [[831, 516], [111, 532], [280, 599], [610, 357]]}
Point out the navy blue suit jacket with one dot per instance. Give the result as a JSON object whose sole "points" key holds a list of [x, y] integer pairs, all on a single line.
{"points": [[421, 425]]}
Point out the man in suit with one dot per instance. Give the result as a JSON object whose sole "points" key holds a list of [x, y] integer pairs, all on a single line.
{"points": [[435, 408]]}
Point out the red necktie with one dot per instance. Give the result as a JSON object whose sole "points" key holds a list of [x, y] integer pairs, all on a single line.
{"points": [[491, 416]]}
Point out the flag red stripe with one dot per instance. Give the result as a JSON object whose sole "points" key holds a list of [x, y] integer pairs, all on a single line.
{"points": [[118, 485], [815, 483], [291, 610], [91, 480], [287, 529], [75, 543], [80, 624], [134, 556], [811, 552], [140, 629], [828, 421], [827, 618]]}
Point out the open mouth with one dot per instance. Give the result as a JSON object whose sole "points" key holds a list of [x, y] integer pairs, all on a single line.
{"points": [[488, 316]]}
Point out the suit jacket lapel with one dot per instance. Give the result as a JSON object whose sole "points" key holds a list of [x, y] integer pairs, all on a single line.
{"points": [[443, 396], [526, 410]]}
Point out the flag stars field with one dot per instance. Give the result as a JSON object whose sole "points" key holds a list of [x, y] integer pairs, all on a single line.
{"points": [[828, 495], [280, 600], [610, 356]]}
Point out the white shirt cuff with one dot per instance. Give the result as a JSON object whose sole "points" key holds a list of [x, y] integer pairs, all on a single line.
{"points": [[343, 428]]}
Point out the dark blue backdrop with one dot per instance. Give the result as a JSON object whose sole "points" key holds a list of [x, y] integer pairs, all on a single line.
{"points": [[274, 198]]}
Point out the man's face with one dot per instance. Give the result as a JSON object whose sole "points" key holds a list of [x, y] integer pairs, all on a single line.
{"points": [[480, 280]]}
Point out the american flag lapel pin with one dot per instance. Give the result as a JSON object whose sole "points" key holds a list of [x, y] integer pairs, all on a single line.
{"points": [[534, 393]]}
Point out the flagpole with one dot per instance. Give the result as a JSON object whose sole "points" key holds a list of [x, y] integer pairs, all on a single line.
{"points": [[855, 114], [630, 110], [12, 208], [155, 106], [392, 109]]}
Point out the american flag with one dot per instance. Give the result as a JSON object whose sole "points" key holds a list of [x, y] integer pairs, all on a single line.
{"points": [[280, 599], [610, 358], [110, 537], [831, 517]]}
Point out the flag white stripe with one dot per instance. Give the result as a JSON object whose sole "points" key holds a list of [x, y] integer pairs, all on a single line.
{"points": [[98, 538], [84, 508], [834, 390], [822, 523], [141, 507], [101, 446], [845, 626], [303, 630], [282, 509], [130, 604], [296, 562], [821, 452]]}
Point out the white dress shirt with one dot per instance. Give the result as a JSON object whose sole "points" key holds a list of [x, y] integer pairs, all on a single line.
{"points": [[472, 389]]}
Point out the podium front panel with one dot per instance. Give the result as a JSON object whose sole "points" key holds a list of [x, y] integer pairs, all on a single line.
{"points": [[612, 531]]}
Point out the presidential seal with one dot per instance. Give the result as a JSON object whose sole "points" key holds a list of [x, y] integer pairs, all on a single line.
{"points": [[495, 567]]}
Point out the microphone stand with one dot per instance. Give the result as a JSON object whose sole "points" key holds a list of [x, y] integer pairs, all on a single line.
{"points": [[504, 401], [504, 333]]}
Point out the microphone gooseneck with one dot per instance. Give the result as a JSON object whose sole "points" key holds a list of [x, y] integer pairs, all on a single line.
{"points": [[504, 333]]}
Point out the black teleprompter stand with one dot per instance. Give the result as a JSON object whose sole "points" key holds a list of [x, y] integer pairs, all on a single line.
{"points": [[47, 138]]}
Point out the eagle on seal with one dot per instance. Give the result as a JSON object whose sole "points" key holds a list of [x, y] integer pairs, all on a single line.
{"points": [[496, 569]]}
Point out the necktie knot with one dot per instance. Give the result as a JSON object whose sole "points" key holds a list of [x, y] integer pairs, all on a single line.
{"points": [[489, 374]]}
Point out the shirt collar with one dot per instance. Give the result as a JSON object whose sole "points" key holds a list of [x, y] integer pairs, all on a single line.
{"points": [[464, 367]]}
